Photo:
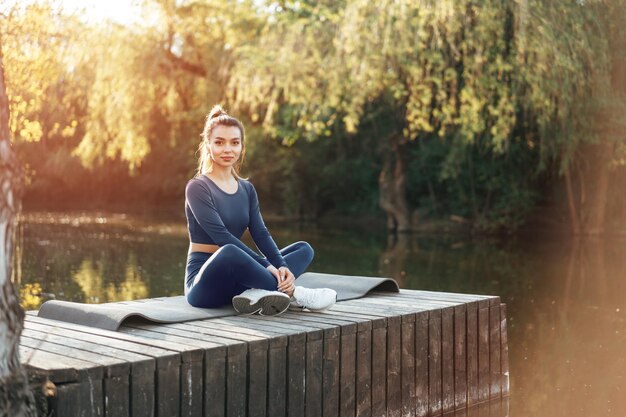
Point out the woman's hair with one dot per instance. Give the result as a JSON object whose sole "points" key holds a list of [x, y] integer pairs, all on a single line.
{"points": [[218, 116]]}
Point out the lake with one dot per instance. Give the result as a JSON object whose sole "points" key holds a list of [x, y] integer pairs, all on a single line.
{"points": [[566, 297]]}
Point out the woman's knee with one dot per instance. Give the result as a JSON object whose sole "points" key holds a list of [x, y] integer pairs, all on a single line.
{"points": [[229, 251], [306, 248]]}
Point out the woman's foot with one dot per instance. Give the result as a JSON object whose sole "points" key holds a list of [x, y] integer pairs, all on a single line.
{"points": [[266, 303], [313, 299]]}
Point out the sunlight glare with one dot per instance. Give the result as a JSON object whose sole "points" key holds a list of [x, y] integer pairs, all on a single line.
{"points": [[125, 12]]}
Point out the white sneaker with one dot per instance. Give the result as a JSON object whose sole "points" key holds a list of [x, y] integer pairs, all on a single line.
{"points": [[313, 299], [266, 303]]}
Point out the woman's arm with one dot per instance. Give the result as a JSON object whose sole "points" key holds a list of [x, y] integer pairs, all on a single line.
{"points": [[260, 234], [204, 210]]}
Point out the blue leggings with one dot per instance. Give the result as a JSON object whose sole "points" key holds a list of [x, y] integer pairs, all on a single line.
{"points": [[230, 271]]}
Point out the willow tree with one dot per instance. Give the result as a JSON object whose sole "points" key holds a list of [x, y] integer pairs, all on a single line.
{"points": [[112, 96], [443, 66], [154, 81], [573, 73], [39, 50]]}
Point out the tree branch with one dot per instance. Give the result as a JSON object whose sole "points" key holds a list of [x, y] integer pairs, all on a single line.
{"points": [[185, 65]]}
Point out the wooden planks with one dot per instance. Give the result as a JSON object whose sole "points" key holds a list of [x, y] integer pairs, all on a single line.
{"points": [[416, 353], [134, 386], [447, 388]]}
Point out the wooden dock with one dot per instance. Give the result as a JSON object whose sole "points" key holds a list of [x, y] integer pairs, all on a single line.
{"points": [[416, 353]]}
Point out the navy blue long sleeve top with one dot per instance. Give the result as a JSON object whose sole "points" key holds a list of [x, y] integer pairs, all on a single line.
{"points": [[219, 218]]}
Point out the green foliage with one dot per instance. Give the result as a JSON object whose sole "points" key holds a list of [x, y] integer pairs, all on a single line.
{"points": [[564, 63], [446, 65], [38, 48], [497, 192], [493, 81], [294, 183], [487, 94]]}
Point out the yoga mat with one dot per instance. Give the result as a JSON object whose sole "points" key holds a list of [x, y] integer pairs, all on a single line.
{"points": [[110, 316], [347, 286]]}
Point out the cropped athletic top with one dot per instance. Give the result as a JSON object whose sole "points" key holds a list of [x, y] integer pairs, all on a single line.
{"points": [[219, 218]]}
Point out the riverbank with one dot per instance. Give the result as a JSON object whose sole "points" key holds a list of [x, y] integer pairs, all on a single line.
{"points": [[172, 218]]}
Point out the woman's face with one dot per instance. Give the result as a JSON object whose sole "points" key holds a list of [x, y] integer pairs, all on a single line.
{"points": [[225, 145]]}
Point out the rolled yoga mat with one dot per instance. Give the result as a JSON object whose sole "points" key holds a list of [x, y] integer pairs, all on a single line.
{"points": [[111, 316]]}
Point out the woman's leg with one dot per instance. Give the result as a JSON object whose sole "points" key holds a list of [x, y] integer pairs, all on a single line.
{"points": [[298, 257], [224, 274], [230, 271]]}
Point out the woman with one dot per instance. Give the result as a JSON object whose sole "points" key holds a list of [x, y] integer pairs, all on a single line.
{"points": [[220, 206]]}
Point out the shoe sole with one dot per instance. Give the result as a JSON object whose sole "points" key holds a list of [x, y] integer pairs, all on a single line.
{"points": [[267, 305]]}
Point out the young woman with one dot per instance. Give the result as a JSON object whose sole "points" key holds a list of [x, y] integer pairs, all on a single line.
{"points": [[220, 206]]}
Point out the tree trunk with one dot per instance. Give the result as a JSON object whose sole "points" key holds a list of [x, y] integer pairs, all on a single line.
{"points": [[16, 399], [573, 212], [595, 176], [392, 187], [599, 195], [587, 206]]}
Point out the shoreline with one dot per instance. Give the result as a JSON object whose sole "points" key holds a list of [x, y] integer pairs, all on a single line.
{"points": [[175, 219]]}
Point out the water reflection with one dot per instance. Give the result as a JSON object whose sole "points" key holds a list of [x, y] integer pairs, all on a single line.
{"points": [[393, 260], [97, 261], [96, 288], [566, 299], [569, 330]]}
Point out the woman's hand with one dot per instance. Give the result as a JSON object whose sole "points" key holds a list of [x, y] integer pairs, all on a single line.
{"points": [[289, 281], [286, 280]]}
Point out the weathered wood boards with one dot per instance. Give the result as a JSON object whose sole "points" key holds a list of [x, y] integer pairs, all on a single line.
{"points": [[416, 353]]}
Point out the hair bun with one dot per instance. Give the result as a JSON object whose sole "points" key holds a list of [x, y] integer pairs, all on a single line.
{"points": [[217, 111]]}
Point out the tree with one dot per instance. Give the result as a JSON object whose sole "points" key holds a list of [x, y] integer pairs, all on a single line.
{"points": [[572, 70], [16, 399], [456, 105], [534, 76], [443, 67]]}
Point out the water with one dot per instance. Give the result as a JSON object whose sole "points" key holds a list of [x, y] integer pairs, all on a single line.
{"points": [[566, 298]]}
